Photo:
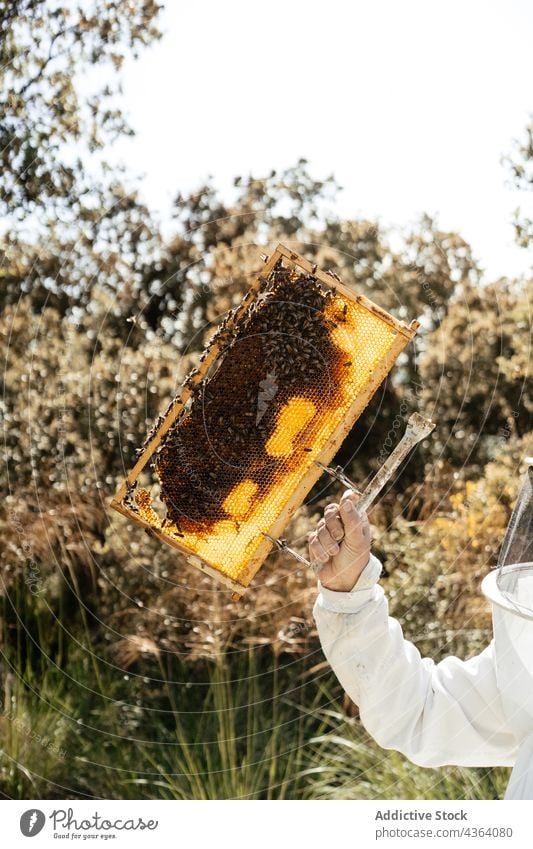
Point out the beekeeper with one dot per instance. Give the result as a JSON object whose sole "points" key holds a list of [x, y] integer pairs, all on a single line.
{"points": [[472, 713]]}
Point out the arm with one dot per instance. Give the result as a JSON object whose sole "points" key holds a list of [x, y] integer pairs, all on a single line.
{"points": [[449, 713], [435, 714]]}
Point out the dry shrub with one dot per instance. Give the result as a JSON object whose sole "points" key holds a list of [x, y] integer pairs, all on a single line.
{"points": [[149, 601], [185, 612], [436, 565], [41, 542]]}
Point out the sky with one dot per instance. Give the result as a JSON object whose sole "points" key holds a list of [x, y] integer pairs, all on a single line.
{"points": [[410, 104]]}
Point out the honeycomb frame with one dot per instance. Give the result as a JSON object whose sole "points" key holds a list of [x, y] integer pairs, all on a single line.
{"points": [[211, 357]]}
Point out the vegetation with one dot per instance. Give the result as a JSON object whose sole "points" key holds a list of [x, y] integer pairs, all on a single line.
{"points": [[124, 674]]}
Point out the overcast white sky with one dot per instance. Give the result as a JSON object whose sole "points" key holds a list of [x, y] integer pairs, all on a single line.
{"points": [[410, 104]]}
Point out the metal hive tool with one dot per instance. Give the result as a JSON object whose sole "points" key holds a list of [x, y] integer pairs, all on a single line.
{"points": [[418, 428], [277, 390]]}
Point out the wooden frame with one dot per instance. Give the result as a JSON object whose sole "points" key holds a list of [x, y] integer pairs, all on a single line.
{"points": [[404, 333]]}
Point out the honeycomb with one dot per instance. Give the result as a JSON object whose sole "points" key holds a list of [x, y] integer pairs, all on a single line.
{"points": [[292, 368]]}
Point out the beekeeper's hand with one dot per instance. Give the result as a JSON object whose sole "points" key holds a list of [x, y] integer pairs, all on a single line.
{"points": [[341, 542]]}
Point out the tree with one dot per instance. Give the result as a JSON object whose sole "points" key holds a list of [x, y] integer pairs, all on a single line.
{"points": [[72, 221], [476, 371], [520, 165], [44, 51]]}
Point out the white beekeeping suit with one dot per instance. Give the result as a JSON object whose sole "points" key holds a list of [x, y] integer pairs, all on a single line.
{"points": [[477, 712]]}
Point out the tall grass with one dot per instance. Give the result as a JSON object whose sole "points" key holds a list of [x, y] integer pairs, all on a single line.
{"points": [[246, 740], [345, 763], [74, 725], [243, 725]]}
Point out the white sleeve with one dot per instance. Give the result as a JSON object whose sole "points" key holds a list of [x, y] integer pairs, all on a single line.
{"points": [[435, 714]]}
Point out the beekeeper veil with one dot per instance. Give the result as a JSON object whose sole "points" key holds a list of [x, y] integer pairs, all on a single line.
{"points": [[510, 587], [514, 570]]}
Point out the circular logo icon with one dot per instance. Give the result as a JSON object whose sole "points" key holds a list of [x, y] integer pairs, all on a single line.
{"points": [[32, 822]]}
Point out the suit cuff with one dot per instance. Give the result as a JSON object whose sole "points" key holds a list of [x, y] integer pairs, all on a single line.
{"points": [[354, 600]]}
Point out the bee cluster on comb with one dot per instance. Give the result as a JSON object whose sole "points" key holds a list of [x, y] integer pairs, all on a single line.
{"points": [[279, 386], [282, 351]]}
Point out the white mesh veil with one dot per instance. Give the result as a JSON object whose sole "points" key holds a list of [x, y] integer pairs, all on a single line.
{"points": [[515, 561]]}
